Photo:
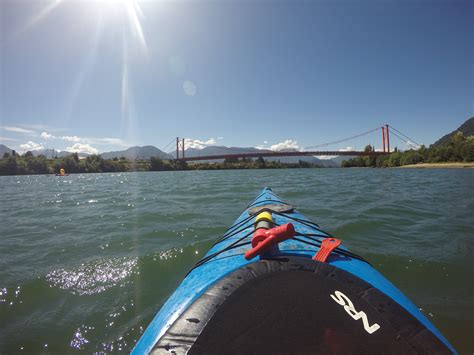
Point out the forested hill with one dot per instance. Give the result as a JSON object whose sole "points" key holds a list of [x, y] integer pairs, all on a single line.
{"points": [[4, 149], [467, 129]]}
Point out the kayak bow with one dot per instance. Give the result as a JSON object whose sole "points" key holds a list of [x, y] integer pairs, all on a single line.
{"points": [[276, 283]]}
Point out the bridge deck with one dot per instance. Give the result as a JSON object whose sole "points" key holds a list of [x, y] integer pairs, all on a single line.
{"points": [[266, 154]]}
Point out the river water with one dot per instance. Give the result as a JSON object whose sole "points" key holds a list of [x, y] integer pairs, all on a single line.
{"points": [[87, 260]]}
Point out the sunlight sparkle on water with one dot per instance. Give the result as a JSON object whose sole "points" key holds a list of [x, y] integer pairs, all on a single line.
{"points": [[94, 277]]}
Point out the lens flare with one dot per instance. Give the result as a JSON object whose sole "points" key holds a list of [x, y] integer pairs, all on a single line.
{"points": [[127, 15], [129, 10], [34, 20]]}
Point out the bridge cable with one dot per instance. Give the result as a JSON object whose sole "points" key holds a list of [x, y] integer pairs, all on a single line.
{"points": [[239, 150], [166, 146], [341, 140], [403, 134], [407, 142]]}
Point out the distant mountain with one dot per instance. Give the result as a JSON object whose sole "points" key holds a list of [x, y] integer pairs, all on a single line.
{"points": [[138, 153], [4, 149], [146, 152], [327, 163], [48, 153], [221, 150], [335, 161], [467, 128]]}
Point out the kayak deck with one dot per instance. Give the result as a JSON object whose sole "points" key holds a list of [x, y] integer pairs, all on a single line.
{"points": [[226, 257]]}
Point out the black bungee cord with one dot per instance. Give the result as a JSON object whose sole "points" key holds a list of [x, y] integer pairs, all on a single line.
{"points": [[239, 242]]}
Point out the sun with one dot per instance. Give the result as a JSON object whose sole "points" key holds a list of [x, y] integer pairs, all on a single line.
{"points": [[126, 15], [115, 5], [128, 11]]}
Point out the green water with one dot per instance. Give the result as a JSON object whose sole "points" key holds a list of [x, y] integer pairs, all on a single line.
{"points": [[87, 260]]}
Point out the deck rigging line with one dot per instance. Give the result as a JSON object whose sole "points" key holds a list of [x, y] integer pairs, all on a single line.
{"points": [[310, 238]]}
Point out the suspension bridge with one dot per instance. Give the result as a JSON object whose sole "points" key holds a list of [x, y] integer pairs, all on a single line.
{"points": [[316, 150]]}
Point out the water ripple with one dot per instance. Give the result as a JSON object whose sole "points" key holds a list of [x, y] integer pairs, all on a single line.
{"points": [[135, 235], [94, 277]]}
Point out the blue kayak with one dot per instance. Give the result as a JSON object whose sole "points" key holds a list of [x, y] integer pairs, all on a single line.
{"points": [[276, 283]]}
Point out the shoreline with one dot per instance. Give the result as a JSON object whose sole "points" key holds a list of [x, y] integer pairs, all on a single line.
{"points": [[468, 165]]}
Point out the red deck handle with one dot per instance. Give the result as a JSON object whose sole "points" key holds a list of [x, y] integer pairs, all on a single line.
{"points": [[264, 239], [327, 246]]}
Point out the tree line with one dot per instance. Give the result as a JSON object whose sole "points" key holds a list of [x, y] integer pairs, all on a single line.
{"points": [[28, 164], [457, 149], [15, 164]]}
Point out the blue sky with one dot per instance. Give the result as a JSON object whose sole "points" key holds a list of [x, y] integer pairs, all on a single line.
{"points": [[104, 75]]}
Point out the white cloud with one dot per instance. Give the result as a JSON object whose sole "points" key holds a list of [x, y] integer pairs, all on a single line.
{"points": [[189, 88], [196, 143], [82, 148], [8, 139], [31, 146], [46, 135], [92, 140], [85, 140], [287, 144], [265, 142], [42, 127], [347, 149], [18, 130], [38, 127], [220, 138], [325, 157], [111, 141], [71, 138]]}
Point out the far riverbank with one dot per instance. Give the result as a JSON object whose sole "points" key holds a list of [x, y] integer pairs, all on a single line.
{"points": [[462, 165]]}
